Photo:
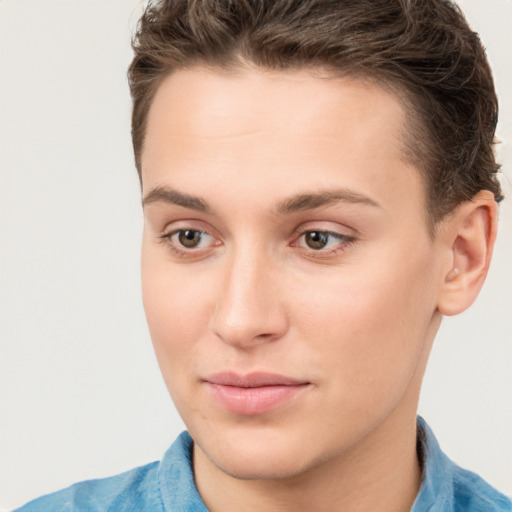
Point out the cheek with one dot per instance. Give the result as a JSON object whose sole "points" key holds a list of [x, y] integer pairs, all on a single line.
{"points": [[177, 311], [367, 329]]}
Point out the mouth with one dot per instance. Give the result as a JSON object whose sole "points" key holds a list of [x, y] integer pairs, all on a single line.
{"points": [[254, 393]]}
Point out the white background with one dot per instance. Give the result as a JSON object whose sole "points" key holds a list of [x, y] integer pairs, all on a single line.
{"points": [[81, 394]]}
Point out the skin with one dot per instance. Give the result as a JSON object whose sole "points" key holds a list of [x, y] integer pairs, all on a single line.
{"points": [[356, 319]]}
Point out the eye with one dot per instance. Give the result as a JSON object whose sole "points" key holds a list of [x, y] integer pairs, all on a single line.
{"points": [[324, 241], [183, 241]]}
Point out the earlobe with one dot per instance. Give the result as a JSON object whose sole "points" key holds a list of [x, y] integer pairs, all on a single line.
{"points": [[470, 235]]}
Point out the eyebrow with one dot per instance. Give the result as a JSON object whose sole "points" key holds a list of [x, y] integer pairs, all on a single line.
{"points": [[304, 202], [300, 202], [171, 196]]}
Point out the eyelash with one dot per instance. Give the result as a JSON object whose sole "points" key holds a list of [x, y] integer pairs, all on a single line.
{"points": [[345, 241]]}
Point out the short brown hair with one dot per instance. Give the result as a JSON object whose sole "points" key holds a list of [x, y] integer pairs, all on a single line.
{"points": [[423, 50]]}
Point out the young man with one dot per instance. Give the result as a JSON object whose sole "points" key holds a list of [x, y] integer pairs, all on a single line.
{"points": [[319, 189]]}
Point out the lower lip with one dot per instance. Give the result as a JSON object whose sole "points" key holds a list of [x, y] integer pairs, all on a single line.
{"points": [[253, 401]]}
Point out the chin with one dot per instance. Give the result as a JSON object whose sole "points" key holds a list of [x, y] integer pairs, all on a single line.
{"points": [[258, 454], [258, 466]]}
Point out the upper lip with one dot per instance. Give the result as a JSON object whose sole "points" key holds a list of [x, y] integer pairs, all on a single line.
{"points": [[252, 380]]}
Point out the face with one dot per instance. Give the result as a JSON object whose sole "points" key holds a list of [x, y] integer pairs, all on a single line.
{"points": [[289, 279]]}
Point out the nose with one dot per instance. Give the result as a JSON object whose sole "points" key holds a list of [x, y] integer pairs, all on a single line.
{"points": [[249, 310]]}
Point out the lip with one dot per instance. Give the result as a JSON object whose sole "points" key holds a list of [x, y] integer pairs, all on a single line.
{"points": [[254, 393]]}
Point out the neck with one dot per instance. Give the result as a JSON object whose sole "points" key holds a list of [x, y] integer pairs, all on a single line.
{"points": [[380, 473]]}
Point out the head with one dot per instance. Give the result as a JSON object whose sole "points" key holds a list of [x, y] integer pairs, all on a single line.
{"points": [[319, 187]]}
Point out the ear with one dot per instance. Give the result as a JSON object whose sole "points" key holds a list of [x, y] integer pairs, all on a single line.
{"points": [[468, 236]]}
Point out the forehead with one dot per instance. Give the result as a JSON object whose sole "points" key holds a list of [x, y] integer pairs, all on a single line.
{"points": [[203, 102], [297, 128]]}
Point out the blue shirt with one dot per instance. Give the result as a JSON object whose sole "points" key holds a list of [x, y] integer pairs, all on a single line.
{"points": [[168, 486]]}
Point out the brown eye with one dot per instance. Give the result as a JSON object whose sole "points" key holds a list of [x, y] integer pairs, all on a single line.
{"points": [[189, 238], [193, 243], [316, 239]]}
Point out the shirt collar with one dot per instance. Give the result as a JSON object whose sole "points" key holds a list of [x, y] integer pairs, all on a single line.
{"points": [[177, 485], [437, 482]]}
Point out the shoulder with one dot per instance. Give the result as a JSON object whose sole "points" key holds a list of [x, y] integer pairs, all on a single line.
{"points": [[136, 489], [473, 494], [156, 487]]}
